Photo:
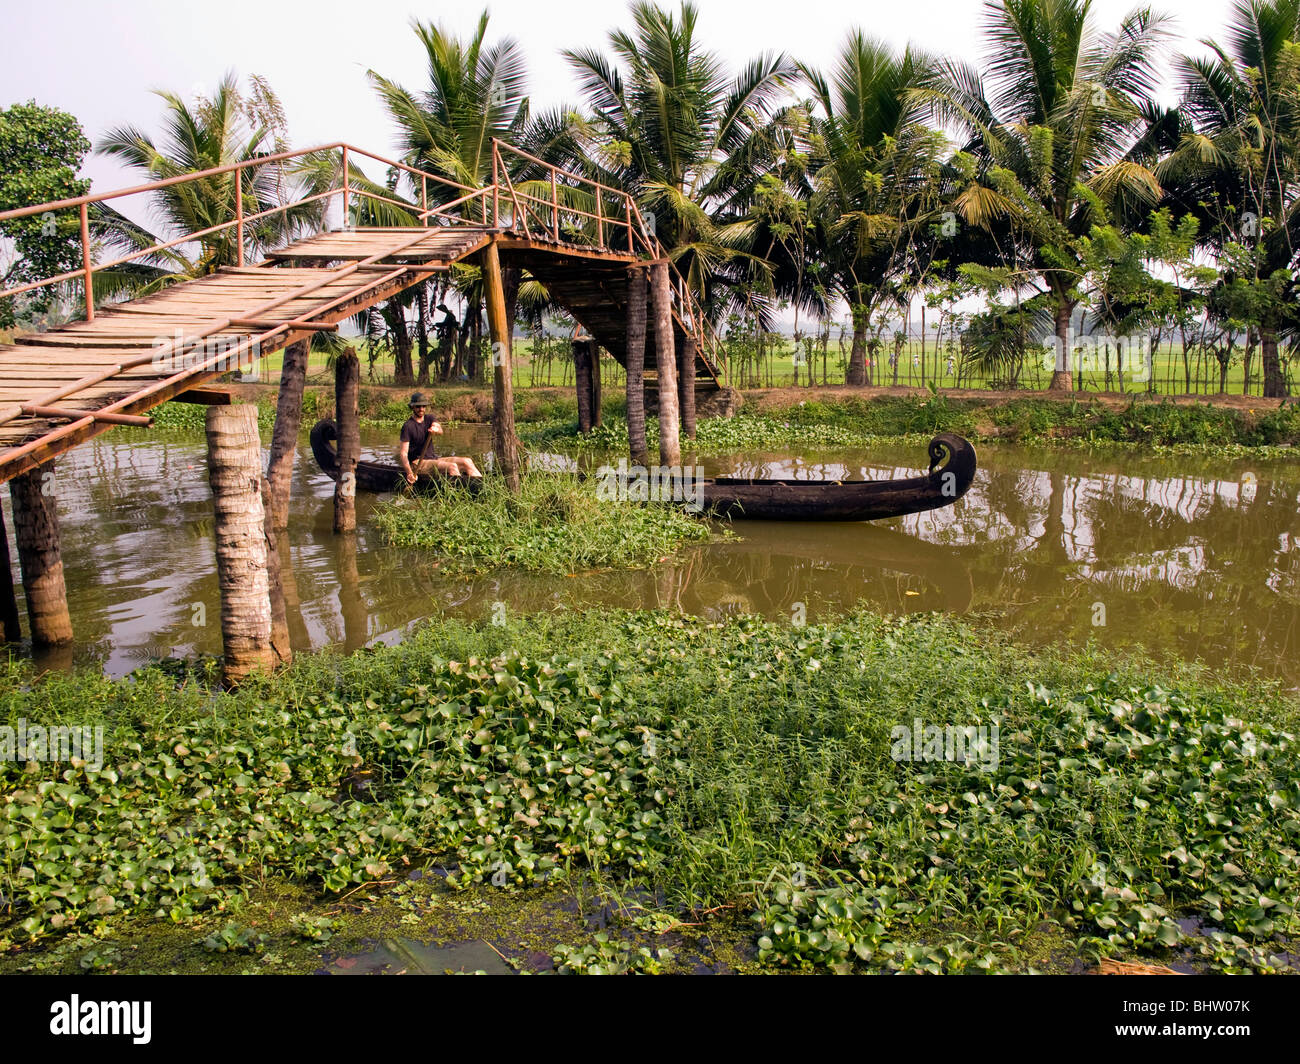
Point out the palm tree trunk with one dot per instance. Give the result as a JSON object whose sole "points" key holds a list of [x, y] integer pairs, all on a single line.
{"points": [[284, 438], [8, 603], [635, 361], [1062, 378], [670, 452], [505, 444], [686, 387], [582, 381], [1274, 382], [422, 339], [856, 375], [281, 644], [234, 471], [36, 528], [403, 371], [347, 382]]}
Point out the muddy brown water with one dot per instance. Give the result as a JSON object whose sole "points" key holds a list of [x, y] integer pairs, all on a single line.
{"points": [[1191, 558]]}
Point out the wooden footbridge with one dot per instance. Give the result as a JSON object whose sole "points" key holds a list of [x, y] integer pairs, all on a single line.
{"points": [[576, 236], [584, 241]]}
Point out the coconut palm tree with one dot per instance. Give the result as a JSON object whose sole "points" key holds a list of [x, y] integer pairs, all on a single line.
{"points": [[476, 93], [1235, 166], [689, 141], [876, 168], [226, 128], [1054, 115]]}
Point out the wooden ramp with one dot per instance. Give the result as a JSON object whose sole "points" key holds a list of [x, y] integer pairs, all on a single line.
{"points": [[62, 387]]}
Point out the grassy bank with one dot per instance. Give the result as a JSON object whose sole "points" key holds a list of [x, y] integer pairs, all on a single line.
{"points": [[548, 418], [671, 767], [556, 525], [852, 422]]}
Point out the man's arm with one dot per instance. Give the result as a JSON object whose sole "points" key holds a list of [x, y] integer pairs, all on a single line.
{"points": [[404, 457]]}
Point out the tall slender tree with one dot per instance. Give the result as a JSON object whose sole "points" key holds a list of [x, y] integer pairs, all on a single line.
{"points": [[1235, 167], [669, 124], [230, 126], [876, 167], [1055, 117]]}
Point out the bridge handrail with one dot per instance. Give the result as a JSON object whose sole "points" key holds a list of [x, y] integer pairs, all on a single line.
{"points": [[626, 216]]}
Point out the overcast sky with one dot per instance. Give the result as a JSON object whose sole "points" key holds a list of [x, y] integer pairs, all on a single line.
{"points": [[100, 60]]}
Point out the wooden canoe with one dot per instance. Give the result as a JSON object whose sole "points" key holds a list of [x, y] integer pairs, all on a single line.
{"points": [[951, 470], [378, 476]]}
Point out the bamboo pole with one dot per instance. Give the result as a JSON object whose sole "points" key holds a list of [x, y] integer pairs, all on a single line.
{"points": [[239, 217], [88, 274], [284, 437], [347, 384], [670, 452], [234, 471], [505, 444], [635, 362], [36, 529]]}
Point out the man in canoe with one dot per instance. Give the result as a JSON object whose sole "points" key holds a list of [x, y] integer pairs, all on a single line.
{"points": [[414, 452]]}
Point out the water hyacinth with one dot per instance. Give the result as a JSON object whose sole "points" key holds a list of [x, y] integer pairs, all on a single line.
{"points": [[706, 765]]}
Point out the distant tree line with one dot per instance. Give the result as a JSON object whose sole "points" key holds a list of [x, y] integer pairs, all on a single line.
{"points": [[1046, 186]]}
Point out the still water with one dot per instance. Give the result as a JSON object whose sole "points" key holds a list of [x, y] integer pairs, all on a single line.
{"points": [[1188, 557]]}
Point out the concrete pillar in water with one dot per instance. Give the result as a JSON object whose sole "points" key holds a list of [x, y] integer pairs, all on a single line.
{"points": [[235, 473], [36, 528]]}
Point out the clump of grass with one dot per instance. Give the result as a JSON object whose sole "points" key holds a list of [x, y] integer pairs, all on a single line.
{"points": [[557, 524], [191, 417], [713, 436]]}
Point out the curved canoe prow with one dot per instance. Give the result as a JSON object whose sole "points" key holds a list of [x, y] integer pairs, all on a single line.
{"points": [[378, 476], [952, 469]]}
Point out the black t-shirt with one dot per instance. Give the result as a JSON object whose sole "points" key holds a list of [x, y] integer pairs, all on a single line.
{"points": [[415, 433]]}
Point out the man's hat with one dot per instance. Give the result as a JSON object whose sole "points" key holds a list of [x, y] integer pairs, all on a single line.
{"points": [[418, 399]]}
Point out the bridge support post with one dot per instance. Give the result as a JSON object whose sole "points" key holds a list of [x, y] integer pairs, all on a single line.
{"points": [[36, 528], [635, 360], [505, 444], [582, 382], [686, 386], [593, 356], [284, 437], [235, 473], [13, 631], [281, 644], [347, 384], [670, 451]]}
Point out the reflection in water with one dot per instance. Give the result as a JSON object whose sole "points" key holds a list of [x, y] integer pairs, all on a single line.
{"points": [[1189, 557]]}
